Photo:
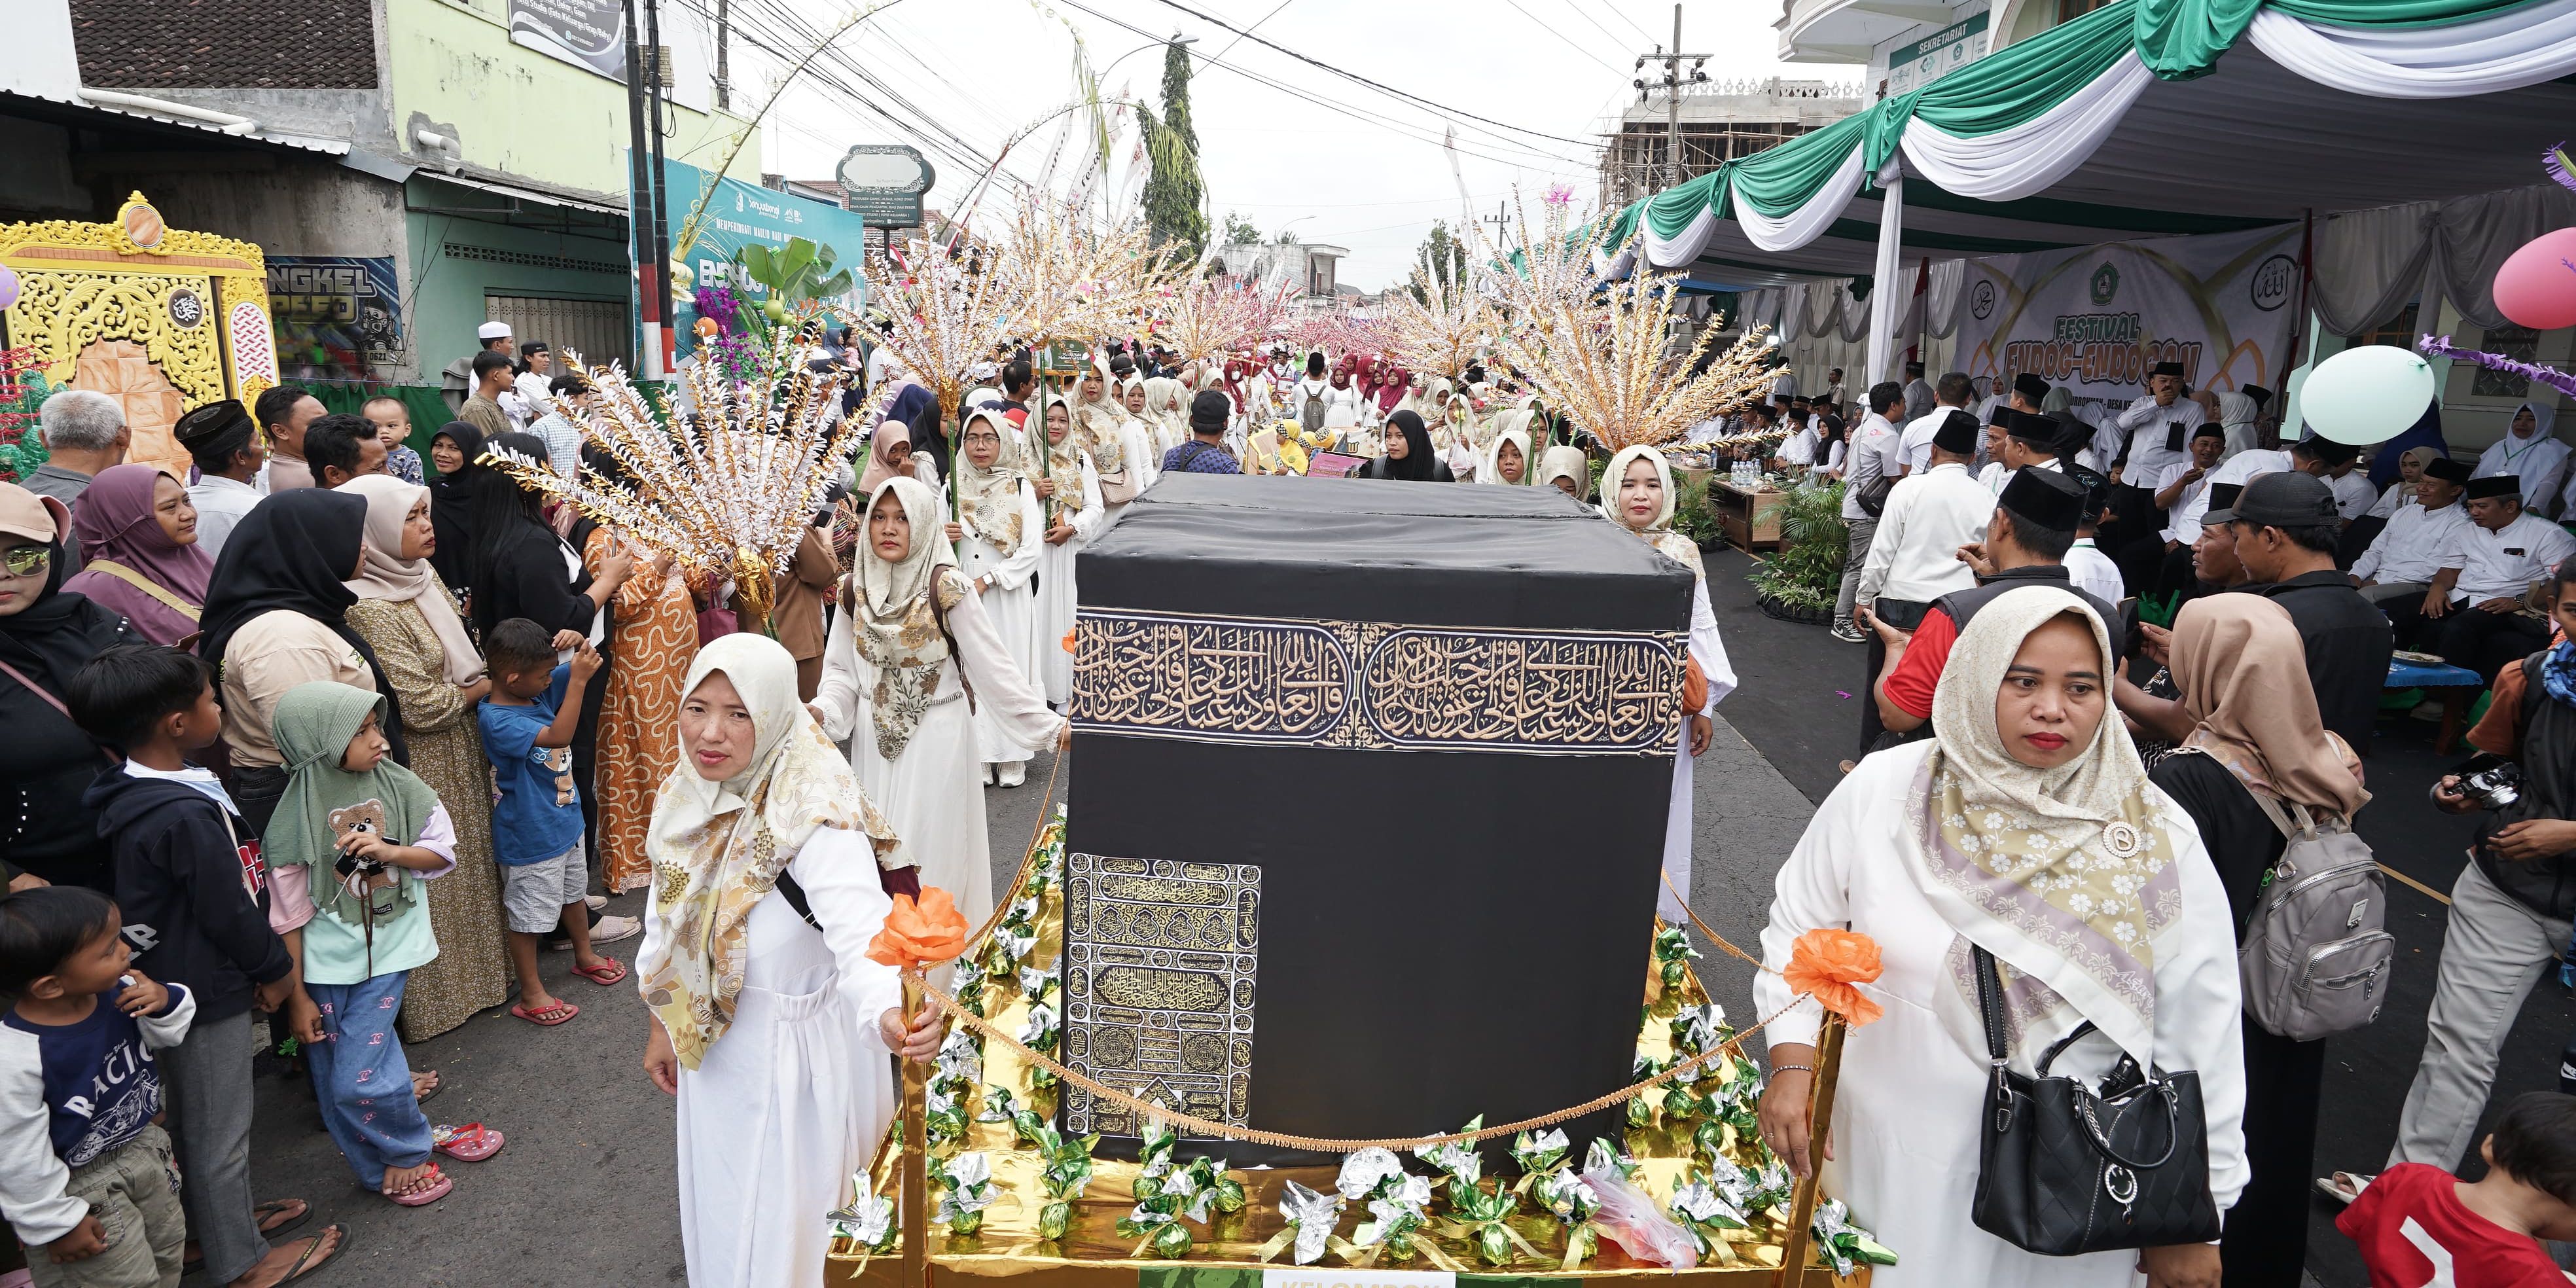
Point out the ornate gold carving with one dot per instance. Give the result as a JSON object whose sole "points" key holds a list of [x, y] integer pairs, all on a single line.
{"points": [[1158, 986], [1294, 682]]}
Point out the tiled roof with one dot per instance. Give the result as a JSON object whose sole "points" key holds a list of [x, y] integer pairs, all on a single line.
{"points": [[225, 44]]}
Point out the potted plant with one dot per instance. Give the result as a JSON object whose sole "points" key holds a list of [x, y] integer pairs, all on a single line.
{"points": [[1801, 580]]}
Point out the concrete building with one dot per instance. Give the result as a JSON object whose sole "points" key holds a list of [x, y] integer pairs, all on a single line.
{"points": [[1908, 44], [1720, 122], [411, 167], [1309, 266]]}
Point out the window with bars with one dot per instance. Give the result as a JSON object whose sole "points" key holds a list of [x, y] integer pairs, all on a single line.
{"points": [[2520, 343], [599, 330]]}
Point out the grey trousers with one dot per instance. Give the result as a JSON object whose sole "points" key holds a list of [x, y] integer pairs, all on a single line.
{"points": [[2387, 591], [2492, 953], [1855, 553], [207, 1081]]}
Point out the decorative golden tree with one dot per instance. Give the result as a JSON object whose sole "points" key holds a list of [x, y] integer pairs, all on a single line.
{"points": [[1603, 352], [1056, 278], [943, 317], [1439, 332], [728, 488], [1208, 317]]}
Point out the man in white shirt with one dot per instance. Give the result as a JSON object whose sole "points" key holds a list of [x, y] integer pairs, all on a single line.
{"points": [[1914, 556], [2477, 597], [2157, 429], [1869, 458], [2353, 493], [531, 386], [2091, 570], [2529, 453], [2159, 563], [2400, 564], [1920, 396], [1953, 394], [220, 438]]}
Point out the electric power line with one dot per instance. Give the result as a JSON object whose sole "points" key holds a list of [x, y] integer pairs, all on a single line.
{"points": [[1577, 7], [1621, 15], [1560, 36]]}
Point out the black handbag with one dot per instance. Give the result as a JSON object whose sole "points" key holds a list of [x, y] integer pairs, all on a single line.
{"points": [[2062, 1171]]}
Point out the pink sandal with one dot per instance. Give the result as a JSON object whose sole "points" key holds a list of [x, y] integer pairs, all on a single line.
{"points": [[471, 1143], [437, 1189]]}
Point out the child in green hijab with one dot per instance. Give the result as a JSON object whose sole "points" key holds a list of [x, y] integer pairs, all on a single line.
{"points": [[369, 833]]}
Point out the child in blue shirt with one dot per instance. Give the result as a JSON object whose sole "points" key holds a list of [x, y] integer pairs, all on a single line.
{"points": [[527, 721], [79, 1154]]}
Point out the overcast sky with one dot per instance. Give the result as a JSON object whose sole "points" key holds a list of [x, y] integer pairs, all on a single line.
{"points": [[1357, 169]]}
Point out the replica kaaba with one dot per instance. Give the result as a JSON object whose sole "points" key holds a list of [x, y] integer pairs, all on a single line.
{"points": [[1338, 741], [1363, 840]]}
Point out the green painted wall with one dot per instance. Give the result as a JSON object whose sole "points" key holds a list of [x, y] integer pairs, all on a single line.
{"points": [[448, 289], [521, 112]]}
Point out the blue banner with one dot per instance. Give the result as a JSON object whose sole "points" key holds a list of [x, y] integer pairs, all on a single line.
{"points": [[740, 214]]}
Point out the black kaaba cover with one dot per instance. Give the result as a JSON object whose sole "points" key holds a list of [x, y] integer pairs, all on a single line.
{"points": [[1367, 806]]}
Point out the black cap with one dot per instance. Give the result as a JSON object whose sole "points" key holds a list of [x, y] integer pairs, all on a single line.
{"points": [[2447, 470], [2262, 397], [2030, 387], [2327, 450], [2222, 496], [2173, 369], [211, 422], [1209, 411], [2210, 429], [2282, 499], [2496, 485], [1914, 368], [2044, 497], [2030, 427], [1957, 434]]}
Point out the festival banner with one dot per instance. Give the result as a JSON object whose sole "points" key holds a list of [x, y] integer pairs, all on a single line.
{"points": [[338, 317], [2094, 319], [585, 33]]}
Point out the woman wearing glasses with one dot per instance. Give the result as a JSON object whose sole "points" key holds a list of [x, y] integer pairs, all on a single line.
{"points": [[46, 762]]}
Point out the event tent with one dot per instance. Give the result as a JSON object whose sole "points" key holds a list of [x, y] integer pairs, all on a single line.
{"points": [[2154, 118]]}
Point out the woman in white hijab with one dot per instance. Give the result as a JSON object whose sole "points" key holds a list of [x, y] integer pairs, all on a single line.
{"points": [[1163, 413], [1564, 468], [1507, 458], [1001, 536], [772, 1030], [912, 639], [2236, 415], [2528, 452], [1637, 494], [1069, 487], [1453, 434], [2026, 828], [1143, 455], [1101, 432]]}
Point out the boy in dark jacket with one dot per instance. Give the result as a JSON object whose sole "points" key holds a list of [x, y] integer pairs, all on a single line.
{"points": [[195, 899]]}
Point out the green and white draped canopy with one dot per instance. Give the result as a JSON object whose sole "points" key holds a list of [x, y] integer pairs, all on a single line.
{"points": [[2144, 118]]}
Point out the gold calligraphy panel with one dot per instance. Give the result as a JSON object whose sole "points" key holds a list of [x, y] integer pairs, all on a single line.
{"points": [[1300, 682], [1158, 987]]}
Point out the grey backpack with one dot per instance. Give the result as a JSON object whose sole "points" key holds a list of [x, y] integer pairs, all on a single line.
{"points": [[2316, 955], [1312, 415]]}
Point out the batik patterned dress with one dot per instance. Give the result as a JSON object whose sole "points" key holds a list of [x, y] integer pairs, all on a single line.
{"points": [[649, 654]]}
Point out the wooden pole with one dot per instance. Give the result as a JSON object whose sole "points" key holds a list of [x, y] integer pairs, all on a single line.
{"points": [[1820, 1115], [916, 1150]]}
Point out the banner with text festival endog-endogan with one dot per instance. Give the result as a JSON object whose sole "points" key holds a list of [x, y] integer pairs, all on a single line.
{"points": [[2095, 319]]}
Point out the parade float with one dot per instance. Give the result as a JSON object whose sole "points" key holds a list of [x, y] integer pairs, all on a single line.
{"points": [[161, 319], [1263, 998]]}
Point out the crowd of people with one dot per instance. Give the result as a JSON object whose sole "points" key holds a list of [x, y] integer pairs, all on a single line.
{"points": [[2107, 652]]}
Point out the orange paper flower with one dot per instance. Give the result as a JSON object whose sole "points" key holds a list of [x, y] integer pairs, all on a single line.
{"points": [[1068, 642], [925, 933], [1827, 963]]}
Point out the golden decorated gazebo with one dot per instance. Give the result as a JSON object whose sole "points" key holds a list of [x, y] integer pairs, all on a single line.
{"points": [[158, 318]]}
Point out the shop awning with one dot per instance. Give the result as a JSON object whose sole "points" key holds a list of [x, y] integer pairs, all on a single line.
{"points": [[2145, 118]]}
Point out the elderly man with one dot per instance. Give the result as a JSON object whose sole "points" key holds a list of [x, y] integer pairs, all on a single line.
{"points": [[84, 432], [2477, 596]]}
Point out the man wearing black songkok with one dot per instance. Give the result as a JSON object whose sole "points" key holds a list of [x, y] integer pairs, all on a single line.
{"points": [[224, 443]]}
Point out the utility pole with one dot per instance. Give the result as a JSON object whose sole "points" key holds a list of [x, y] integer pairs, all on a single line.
{"points": [[1673, 82], [724, 78], [641, 214]]}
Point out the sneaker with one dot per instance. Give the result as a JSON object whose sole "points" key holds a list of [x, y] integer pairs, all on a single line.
{"points": [[1848, 633], [1015, 774]]}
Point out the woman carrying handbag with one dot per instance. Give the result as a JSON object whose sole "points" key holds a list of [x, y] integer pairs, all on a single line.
{"points": [[2025, 829]]}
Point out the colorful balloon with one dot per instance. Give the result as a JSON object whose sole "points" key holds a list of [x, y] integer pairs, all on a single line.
{"points": [[2367, 394], [2537, 285], [8, 287]]}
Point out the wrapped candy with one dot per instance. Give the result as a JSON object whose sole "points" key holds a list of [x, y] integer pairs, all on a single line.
{"points": [[944, 1119], [1311, 1216], [1035, 983], [1573, 1203], [1673, 950], [1697, 1028], [1601, 1155], [1458, 1158], [1216, 1188], [1009, 947], [1154, 1147], [1540, 1154], [1483, 1216], [1843, 1243], [1395, 1215], [1704, 1213], [997, 1105], [1066, 1174], [965, 1190], [1160, 1231], [1367, 1172], [866, 1222], [961, 1058]]}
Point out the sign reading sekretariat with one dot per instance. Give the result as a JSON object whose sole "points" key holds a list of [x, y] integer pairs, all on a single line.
{"points": [[589, 33]]}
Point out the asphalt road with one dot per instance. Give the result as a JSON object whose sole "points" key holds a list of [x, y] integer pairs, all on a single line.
{"points": [[583, 1194]]}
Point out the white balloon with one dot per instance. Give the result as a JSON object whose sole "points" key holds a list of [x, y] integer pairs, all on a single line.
{"points": [[2367, 394]]}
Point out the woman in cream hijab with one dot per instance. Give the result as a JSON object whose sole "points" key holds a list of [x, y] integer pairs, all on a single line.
{"points": [[1507, 458], [1000, 535], [1637, 494], [1163, 414], [2236, 415], [911, 638], [772, 1033], [1564, 468], [2025, 828], [1070, 491]]}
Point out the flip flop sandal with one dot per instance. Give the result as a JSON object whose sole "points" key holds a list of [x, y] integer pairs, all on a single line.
{"points": [[547, 1018], [472, 1142], [437, 1189], [2344, 1187], [424, 1097], [609, 971], [263, 1213], [304, 1262]]}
